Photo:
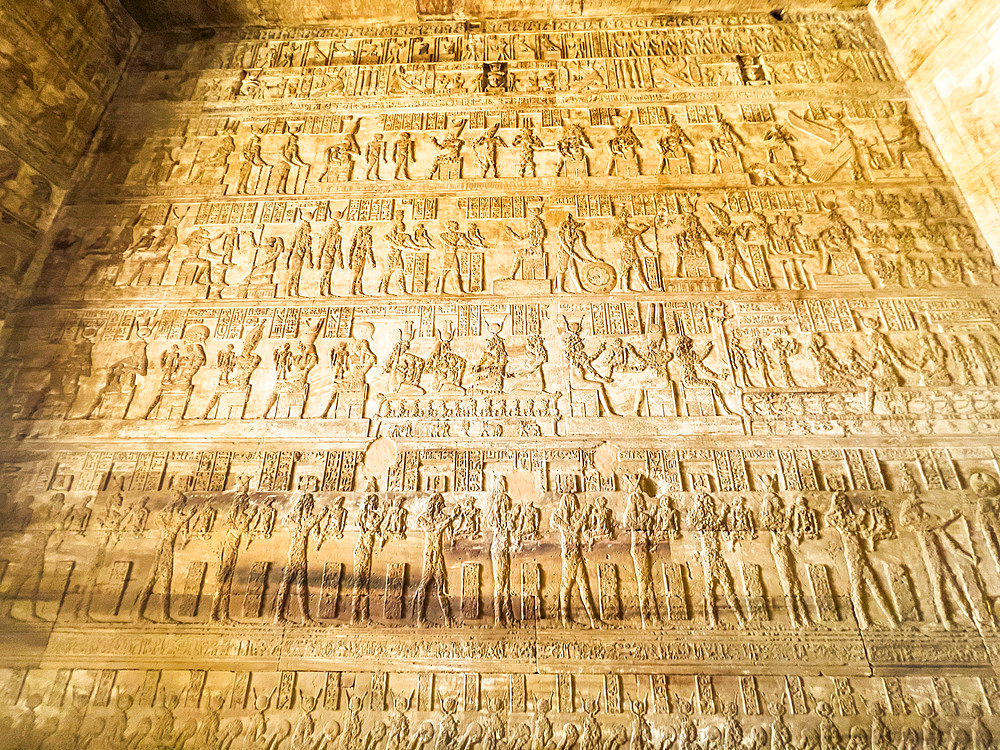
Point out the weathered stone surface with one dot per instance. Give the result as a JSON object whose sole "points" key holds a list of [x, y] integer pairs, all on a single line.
{"points": [[60, 62], [947, 52], [591, 383]]}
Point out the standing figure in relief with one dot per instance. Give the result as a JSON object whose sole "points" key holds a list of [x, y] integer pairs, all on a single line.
{"points": [[436, 522], [238, 523], [932, 536], [453, 240], [639, 521], [369, 534], [330, 254], [572, 251], [776, 519], [854, 528], [301, 522], [27, 551], [501, 520], [300, 253], [173, 523], [569, 520], [398, 241], [375, 156], [986, 489], [631, 240], [707, 525], [526, 143], [486, 147], [360, 255], [402, 156]]}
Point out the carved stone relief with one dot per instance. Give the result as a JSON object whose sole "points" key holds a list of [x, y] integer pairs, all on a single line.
{"points": [[605, 383]]}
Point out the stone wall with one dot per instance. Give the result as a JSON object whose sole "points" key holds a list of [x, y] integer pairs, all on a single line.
{"points": [[586, 383], [60, 63], [949, 54]]}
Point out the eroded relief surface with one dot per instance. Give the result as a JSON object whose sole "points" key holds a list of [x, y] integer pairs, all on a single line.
{"points": [[60, 62], [589, 384]]}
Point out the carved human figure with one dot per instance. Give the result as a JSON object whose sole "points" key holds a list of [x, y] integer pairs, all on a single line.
{"points": [[300, 253], [351, 362], [301, 522], [402, 156], [526, 143], [639, 521], [398, 241], [530, 250], [572, 251], [486, 148], [173, 524], [241, 368], [730, 242], [695, 373], [369, 535], [675, 149], [776, 519], [453, 240], [831, 370], [289, 156], [986, 491], [491, 369], [330, 253], [853, 527], [405, 368], [120, 382], [118, 516], [933, 538], [569, 520], [239, 519], [572, 151], [706, 524], [500, 521], [292, 369], [541, 726], [448, 368], [931, 356], [437, 522], [40, 520], [250, 157], [375, 156], [724, 149], [448, 160], [629, 258], [360, 255], [623, 155], [178, 372]]}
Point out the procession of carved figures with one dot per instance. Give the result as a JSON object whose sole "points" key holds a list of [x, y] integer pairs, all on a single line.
{"points": [[324, 710], [807, 540], [604, 383], [812, 366]]}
